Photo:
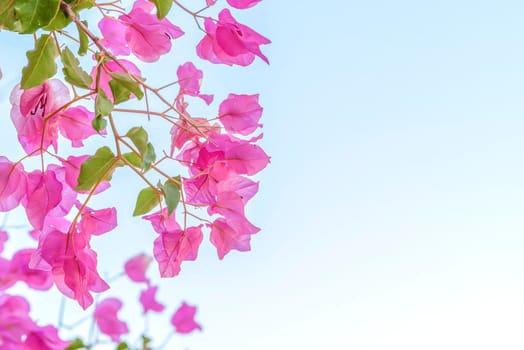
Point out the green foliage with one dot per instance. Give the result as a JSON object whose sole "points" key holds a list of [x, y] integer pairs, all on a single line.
{"points": [[122, 346], [73, 73], [84, 40], [97, 168], [133, 159], [122, 86], [162, 7], [41, 63], [147, 200], [8, 18], [149, 157], [35, 14], [139, 138], [138, 135], [103, 107], [171, 195], [76, 344]]}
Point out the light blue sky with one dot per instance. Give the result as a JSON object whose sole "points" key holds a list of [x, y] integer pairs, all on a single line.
{"points": [[391, 213]]}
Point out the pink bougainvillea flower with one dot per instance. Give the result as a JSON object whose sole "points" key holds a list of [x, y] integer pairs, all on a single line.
{"points": [[33, 113], [19, 332], [136, 268], [172, 248], [139, 32], [189, 80], [20, 271], [44, 338], [72, 263], [217, 159], [225, 238], [184, 319], [240, 185], [173, 245], [148, 300], [240, 113], [243, 4], [187, 129], [231, 206], [162, 222], [113, 32], [13, 184], [47, 195], [230, 42], [43, 194], [97, 222], [75, 124], [14, 321], [112, 66], [107, 319]]}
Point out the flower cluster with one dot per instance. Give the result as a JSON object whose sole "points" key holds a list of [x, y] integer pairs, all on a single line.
{"points": [[216, 158]]}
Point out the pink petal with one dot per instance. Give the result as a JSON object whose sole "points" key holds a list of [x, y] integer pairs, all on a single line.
{"points": [[107, 319], [243, 4], [240, 113], [184, 319], [136, 267], [148, 300]]}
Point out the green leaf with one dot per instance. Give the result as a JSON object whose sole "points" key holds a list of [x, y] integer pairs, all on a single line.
{"points": [[103, 105], [149, 157], [84, 40], [76, 344], [78, 5], [138, 135], [35, 14], [145, 343], [60, 21], [122, 346], [96, 169], [133, 158], [171, 195], [147, 199], [128, 83], [162, 7], [8, 18], [99, 123], [41, 63], [120, 93], [72, 71]]}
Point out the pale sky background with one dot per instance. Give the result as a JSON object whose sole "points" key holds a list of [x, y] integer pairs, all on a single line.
{"points": [[391, 213]]}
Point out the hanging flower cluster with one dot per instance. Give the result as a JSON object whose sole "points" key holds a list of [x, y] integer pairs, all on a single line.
{"points": [[216, 156]]}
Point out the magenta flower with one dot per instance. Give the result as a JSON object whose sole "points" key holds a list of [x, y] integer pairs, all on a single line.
{"points": [[107, 319], [243, 4], [33, 113], [240, 113], [13, 184], [136, 268], [75, 124], [184, 319], [72, 263], [172, 248], [189, 80], [148, 300], [225, 238], [44, 338], [139, 32], [230, 42], [98, 222]]}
